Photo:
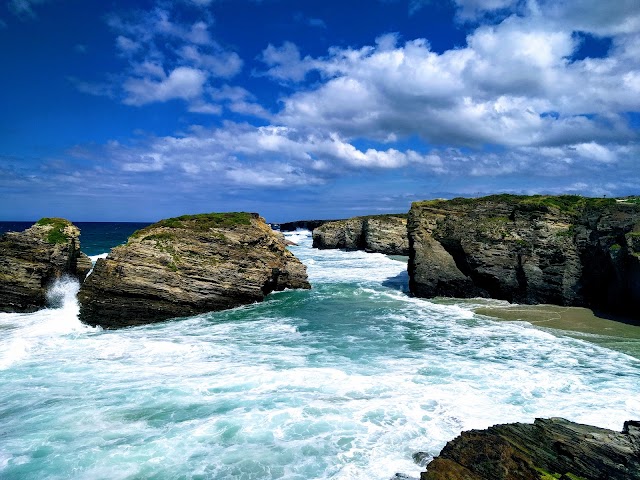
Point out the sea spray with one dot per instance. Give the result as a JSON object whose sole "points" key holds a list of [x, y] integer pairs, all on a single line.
{"points": [[62, 292]]}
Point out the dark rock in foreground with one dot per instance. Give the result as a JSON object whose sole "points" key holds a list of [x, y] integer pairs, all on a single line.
{"points": [[31, 260], [188, 265], [377, 233], [548, 449], [564, 250]]}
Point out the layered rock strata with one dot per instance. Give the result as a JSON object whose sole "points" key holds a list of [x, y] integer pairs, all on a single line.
{"points": [[379, 233], [31, 260], [548, 449], [188, 265], [565, 250]]}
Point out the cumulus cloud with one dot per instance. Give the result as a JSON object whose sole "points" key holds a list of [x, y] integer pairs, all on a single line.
{"points": [[513, 84], [168, 59], [183, 82], [284, 62]]}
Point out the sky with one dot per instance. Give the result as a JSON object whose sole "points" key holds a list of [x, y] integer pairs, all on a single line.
{"points": [[122, 110]]}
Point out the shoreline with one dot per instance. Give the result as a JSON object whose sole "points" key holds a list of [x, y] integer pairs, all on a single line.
{"points": [[577, 322]]}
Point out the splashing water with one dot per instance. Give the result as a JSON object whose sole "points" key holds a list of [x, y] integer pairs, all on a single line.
{"points": [[345, 381]]}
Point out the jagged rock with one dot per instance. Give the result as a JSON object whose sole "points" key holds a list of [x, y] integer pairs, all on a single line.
{"points": [[548, 449], [189, 265], [378, 233], [565, 250], [31, 260]]}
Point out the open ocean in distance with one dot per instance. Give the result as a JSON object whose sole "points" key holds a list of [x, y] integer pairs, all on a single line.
{"points": [[345, 381]]}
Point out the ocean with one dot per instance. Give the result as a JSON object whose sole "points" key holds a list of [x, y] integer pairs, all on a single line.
{"points": [[344, 381]]}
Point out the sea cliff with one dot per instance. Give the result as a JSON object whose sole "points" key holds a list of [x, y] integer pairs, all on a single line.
{"points": [[188, 265], [376, 233], [565, 250], [31, 260]]}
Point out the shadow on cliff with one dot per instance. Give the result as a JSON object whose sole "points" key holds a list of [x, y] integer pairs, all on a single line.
{"points": [[400, 282], [616, 317]]}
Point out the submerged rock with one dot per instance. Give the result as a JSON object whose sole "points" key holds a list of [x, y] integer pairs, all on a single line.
{"points": [[188, 265], [545, 450], [377, 233], [564, 250], [31, 260]]}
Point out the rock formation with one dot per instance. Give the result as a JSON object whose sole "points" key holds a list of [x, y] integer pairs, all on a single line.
{"points": [[548, 449], [188, 265], [377, 233], [301, 224], [31, 260], [565, 250]]}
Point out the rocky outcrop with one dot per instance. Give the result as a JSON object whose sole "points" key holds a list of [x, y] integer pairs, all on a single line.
{"points": [[301, 224], [565, 250], [377, 233], [548, 449], [31, 260], [188, 265]]}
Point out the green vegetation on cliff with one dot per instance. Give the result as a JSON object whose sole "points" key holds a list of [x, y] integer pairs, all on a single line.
{"points": [[570, 204], [198, 222], [56, 234]]}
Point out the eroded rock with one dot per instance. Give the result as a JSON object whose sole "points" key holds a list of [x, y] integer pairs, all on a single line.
{"points": [[188, 265], [378, 233], [565, 250], [31, 260], [545, 450]]}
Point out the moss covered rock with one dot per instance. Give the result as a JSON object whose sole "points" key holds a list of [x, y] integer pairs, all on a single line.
{"points": [[548, 449]]}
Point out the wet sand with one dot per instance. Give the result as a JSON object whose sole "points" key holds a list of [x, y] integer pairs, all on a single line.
{"points": [[576, 322]]}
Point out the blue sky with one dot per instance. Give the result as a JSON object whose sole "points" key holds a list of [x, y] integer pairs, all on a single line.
{"points": [[139, 110]]}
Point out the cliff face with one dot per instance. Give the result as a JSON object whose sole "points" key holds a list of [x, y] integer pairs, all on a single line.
{"points": [[380, 233], [189, 265], [565, 250], [31, 260], [545, 450]]}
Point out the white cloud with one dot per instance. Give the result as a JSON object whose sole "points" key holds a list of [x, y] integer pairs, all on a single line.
{"points": [[222, 64], [513, 84], [285, 63], [183, 82], [170, 59]]}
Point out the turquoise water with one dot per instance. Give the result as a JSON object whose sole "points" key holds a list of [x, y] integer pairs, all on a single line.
{"points": [[345, 381]]}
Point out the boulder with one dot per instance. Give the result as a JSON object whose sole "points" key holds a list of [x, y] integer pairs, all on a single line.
{"points": [[188, 265], [548, 449], [31, 260], [564, 250], [377, 233]]}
